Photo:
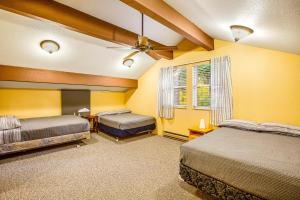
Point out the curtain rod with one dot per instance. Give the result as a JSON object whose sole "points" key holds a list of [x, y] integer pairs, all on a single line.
{"points": [[192, 63]]}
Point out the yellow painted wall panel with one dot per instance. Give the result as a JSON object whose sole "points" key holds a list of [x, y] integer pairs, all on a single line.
{"points": [[25, 103], [265, 86], [28, 103], [106, 101]]}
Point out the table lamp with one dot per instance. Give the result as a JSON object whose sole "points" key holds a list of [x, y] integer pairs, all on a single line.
{"points": [[202, 124], [83, 110]]}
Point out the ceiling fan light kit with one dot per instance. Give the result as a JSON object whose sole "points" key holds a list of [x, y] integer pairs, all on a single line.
{"points": [[239, 32], [143, 45], [128, 62]]}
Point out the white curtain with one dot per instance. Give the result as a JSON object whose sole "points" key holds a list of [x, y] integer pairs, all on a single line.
{"points": [[166, 93], [221, 90]]}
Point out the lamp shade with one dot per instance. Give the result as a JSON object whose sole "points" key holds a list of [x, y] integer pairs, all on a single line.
{"points": [[83, 110], [202, 124]]}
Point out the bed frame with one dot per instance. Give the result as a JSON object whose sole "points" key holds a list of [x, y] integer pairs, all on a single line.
{"points": [[212, 186], [34, 144], [118, 133]]}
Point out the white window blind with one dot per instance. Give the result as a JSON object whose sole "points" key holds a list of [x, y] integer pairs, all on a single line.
{"points": [[201, 86], [180, 87]]}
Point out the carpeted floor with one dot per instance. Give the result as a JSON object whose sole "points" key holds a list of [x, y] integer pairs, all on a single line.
{"points": [[145, 167]]}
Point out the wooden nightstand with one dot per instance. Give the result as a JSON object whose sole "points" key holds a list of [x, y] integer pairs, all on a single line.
{"points": [[197, 132], [93, 119]]}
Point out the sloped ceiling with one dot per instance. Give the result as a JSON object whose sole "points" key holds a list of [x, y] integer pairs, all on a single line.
{"points": [[20, 38], [276, 23]]}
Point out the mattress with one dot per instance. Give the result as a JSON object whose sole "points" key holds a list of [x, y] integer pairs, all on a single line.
{"points": [[39, 128], [263, 164], [126, 121]]}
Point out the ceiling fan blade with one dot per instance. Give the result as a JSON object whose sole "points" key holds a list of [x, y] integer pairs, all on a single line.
{"points": [[164, 48], [131, 55], [153, 55], [119, 47]]}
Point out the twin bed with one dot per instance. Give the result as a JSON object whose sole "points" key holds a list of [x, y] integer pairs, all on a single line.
{"points": [[235, 163], [40, 132], [124, 123]]}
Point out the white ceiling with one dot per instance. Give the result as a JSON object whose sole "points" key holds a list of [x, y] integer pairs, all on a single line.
{"points": [[276, 23], [118, 13]]}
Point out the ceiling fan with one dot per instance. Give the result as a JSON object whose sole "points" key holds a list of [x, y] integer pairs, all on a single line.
{"points": [[142, 45]]}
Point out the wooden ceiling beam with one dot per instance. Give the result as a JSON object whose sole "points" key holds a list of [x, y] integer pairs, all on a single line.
{"points": [[168, 16], [160, 54], [49, 10], [24, 74]]}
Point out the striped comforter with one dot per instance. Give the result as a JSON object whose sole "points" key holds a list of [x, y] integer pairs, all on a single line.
{"points": [[10, 129]]}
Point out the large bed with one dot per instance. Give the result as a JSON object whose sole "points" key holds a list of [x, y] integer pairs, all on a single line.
{"points": [[124, 123], [232, 163], [46, 131]]}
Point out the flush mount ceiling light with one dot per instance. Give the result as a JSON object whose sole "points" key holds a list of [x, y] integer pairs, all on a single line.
{"points": [[128, 62], [239, 32], [49, 46]]}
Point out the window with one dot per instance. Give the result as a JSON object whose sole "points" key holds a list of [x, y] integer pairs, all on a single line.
{"points": [[201, 86], [180, 87]]}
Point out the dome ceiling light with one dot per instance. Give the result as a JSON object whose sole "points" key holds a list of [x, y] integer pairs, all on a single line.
{"points": [[128, 62], [239, 32], [49, 46]]}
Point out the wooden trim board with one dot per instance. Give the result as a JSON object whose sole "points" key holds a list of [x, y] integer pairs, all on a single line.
{"points": [[23, 74]]}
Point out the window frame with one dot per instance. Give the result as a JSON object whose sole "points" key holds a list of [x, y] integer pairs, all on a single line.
{"points": [[178, 106], [195, 88]]}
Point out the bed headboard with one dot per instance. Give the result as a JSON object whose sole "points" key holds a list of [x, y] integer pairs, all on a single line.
{"points": [[73, 100]]}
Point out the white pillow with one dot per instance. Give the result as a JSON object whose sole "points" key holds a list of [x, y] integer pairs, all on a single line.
{"points": [[114, 112], [242, 124], [9, 122], [123, 111], [275, 128], [281, 128]]}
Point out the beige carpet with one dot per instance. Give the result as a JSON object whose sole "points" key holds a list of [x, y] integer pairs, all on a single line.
{"points": [[145, 167]]}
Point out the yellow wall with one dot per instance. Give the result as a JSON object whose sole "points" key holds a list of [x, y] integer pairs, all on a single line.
{"points": [[106, 101], [265, 86], [25, 103]]}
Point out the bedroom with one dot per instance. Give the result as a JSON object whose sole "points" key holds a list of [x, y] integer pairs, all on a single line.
{"points": [[87, 71]]}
